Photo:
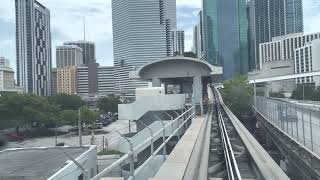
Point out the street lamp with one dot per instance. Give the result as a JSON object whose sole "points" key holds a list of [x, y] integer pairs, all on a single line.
{"points": [[80, 127]]}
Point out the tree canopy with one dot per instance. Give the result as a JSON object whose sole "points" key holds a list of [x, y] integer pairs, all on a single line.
{"points": [[306, 92], [109, 104], [237, 94], [65, 101], [24, 109]]}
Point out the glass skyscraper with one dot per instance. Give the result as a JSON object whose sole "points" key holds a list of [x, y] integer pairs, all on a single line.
{"points": [[225, 31], [272, 18]]}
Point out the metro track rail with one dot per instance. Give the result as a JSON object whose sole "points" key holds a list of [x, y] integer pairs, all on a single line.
{"points": [[233, 152]]}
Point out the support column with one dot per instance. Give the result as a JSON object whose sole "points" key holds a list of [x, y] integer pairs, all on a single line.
{"points": [[197, 94], [181, 88], [156, 82]]}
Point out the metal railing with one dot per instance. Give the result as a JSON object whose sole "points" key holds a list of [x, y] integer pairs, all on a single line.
{"points": [[187, 115], [299, 122], [231, 163]]}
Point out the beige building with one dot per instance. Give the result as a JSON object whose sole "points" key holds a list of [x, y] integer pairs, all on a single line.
{"points": [[67, 80], [6, 78]]}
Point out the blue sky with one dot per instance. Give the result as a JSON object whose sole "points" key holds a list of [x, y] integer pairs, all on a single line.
{"points": [[66, 23]]}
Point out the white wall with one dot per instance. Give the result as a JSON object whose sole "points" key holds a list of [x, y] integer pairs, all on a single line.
{"points": [[71, 172]]}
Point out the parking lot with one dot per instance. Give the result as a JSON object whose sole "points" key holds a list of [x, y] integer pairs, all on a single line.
{"points": [[110, 136]]}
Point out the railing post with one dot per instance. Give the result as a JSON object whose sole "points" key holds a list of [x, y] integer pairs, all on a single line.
{"points": [[302, 118], [164, 140], [287, 119], [151, 133], [297, 129], [311, 130], [131, 155]]}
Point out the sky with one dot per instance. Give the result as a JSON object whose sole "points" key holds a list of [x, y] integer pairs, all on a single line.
{"points": [[67, 15]]}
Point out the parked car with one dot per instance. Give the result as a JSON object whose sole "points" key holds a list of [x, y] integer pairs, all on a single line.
{"points": [[15, 137], [95, 126]]}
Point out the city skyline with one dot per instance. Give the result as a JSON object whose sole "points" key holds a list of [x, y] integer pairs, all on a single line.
{"points": [[95, 11], [100, 10]]}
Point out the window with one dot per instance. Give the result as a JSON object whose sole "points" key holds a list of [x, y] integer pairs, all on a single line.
{"points": [[122, 63]]}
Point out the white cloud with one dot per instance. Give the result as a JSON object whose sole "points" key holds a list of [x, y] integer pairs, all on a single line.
{"points": [[191, 3]]}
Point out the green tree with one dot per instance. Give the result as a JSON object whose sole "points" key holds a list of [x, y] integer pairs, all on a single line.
{"points": [[306, 92], [23, 109], [68, 117], [66, 101], [109, 104], [88, 116], [189, 54], [237, 94]]}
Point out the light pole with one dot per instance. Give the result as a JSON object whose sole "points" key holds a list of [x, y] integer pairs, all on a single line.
{"points": [[80, 127]]}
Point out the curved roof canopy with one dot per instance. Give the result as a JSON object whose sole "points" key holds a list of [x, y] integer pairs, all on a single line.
{"points": [[177, 67]]}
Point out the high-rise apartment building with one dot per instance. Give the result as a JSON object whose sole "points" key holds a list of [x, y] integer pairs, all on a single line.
{"points": [[195, 40], [88, 50], [283, 47], [4, 62], [306, 59], [272, 18], [177, 42], [33, 46], [69, 55], [141, 34], [67, 80], [225, 31]]}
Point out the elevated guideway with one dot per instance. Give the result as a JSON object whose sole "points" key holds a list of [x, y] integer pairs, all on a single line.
{"points": [[220, 148]]}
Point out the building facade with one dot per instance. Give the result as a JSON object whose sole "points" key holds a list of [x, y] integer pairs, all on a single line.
{"points": [[67, 80], [69, 55], [4, 62], [177, 42], [6, 78], [103, 76], [141, 34], [272, 18], [198, 47], [88, 50], [306, 59], [106, 80], [225, 30], [33, 47], [53, 81], [283, 47]]}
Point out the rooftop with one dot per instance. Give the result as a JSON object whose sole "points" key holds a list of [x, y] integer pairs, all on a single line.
{"points": [[36, 163]]}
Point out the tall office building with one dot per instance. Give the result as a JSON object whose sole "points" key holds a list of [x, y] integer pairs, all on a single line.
{"points": [[88, 50], [198, 47], [141, 34], [33, 46], [225, 33], [177, 42], [195, 40], [272, 18], [69, 55]]}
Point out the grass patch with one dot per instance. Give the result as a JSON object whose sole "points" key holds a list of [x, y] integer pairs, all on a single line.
{"points": [[109, 152]]}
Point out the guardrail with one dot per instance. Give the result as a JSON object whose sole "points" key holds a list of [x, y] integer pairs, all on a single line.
{"points": [[188, 114], [263, 162], [231, 163]]}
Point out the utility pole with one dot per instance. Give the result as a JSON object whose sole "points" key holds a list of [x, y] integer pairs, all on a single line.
{"points": [[80, 127]]}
